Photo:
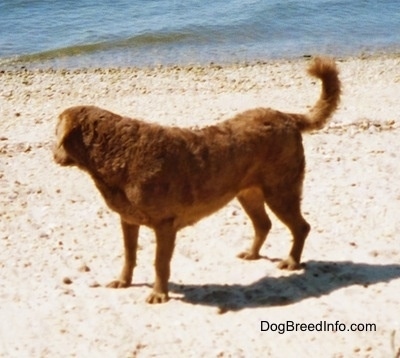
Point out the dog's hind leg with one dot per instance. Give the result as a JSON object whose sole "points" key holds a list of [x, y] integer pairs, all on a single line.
{"points": [[130, 235], [252, 201], [286, 206], [165, 241]]}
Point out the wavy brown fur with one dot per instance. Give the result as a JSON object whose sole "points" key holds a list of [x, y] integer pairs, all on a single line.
{"points": [[325, 69], [167, 177]]}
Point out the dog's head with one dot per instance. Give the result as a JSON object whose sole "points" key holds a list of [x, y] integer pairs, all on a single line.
{"points": [[70, 148]]}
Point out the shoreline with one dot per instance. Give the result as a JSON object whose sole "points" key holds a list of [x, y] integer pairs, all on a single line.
{"points": [[10, 65]]}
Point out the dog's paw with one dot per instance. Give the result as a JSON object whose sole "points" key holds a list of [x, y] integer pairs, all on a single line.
{"points": [[289, 264], [118, 284], [247, 255], [157, 297]]}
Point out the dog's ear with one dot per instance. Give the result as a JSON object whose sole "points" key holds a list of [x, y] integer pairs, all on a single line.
{"points": [[70, 144], [65, 125], [75, 147]]}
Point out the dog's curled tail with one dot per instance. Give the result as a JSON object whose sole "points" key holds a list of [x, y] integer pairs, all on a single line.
{"points": [[325, 69]]}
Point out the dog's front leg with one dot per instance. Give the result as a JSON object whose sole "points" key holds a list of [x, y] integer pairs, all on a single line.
{"points": [[165, 240], [130, 235]]}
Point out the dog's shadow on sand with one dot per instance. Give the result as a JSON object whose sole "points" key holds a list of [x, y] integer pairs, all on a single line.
{"points": [[317, 279]]}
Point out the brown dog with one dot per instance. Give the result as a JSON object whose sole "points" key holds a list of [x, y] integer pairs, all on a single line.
{"points": [[167, 178]]}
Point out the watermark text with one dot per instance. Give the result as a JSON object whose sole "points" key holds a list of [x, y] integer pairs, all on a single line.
{"points": [[321, 326]]}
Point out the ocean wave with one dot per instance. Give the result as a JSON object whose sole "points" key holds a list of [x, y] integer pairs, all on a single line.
{"points": [[159, 33], [135, 42]]}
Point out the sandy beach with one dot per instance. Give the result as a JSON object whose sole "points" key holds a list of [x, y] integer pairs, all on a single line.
{"points": [[60, 244]]}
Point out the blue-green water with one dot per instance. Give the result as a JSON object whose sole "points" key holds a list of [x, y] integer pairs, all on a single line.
{"points": [[88, 33]]}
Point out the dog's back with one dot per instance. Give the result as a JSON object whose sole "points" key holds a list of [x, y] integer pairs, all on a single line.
{"points": [[168, 178]]}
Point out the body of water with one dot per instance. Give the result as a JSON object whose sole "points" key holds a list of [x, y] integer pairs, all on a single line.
{"points": [[89, 33]]}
